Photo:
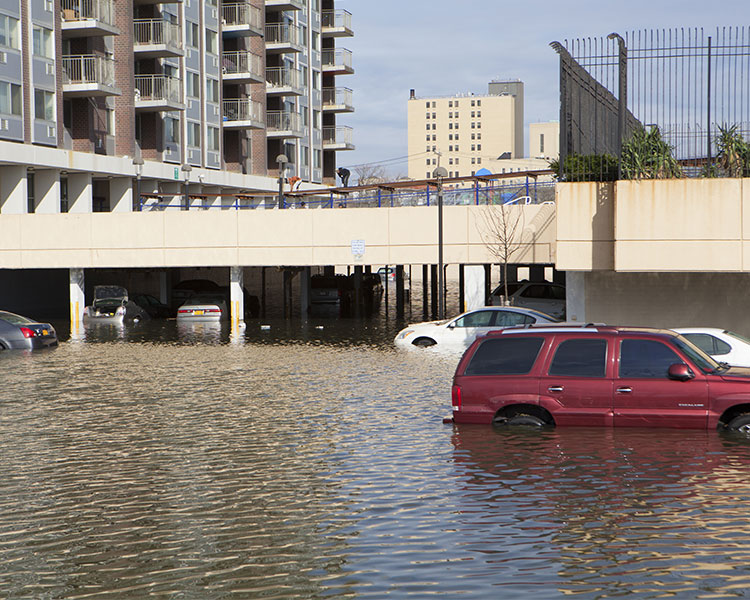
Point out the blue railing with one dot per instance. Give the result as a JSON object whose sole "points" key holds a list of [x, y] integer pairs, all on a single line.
{"points": [[527, 192]]}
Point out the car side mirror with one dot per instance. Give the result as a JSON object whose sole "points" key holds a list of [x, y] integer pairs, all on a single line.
{"points": [[452, 326], [680, 372]]}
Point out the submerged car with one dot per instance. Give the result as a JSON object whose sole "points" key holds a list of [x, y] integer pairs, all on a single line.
{"points": [[544, 296], [202, 308], [21, 333], [112, 306], [153, 306], [588, 376], [462, 330], [723, 345]]}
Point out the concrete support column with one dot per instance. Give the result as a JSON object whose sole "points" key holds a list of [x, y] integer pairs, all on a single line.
{"points": [[80, 193], [163, 287], [434, 291], [575, 296], [304, 292], [77, 302], [425, 283], [474, 286], [121, 194], [399, 291], [236, 298], [13, 190], [358, 296], [47, 191]]}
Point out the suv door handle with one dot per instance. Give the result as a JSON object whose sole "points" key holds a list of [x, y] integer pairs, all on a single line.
{"points": [[624, 390], [555, 388]]}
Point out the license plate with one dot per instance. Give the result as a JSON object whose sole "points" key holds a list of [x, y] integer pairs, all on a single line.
{"points": [[197, 312], [45, 332]]}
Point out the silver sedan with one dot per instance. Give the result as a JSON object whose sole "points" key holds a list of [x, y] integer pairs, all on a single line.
{"points": [[22, 333]]}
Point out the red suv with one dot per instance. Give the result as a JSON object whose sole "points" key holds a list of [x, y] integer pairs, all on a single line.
{"points": [[598, 376]]}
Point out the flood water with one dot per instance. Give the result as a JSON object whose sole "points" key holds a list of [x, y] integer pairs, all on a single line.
{"points": [[310, 460]]}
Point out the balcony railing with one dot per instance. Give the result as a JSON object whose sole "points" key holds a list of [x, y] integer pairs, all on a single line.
{"points": [[283, 121], [241, 61], [283, 77], [244, 110], [336, 19], [339, 97], [282, 33], [339, 136], [157, 88], [338, 59], [89, 69], [156, 32], [241, 13], [80, 10]]}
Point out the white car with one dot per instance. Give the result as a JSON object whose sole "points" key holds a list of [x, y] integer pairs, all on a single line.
{"points": [[203, 307], [544, 296], [724, 346], [462, 330]]}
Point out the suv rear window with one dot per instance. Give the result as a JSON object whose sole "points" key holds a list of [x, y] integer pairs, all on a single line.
{"points": [[505, 356], [580, 358]]}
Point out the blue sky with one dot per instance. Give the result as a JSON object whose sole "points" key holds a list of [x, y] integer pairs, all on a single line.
{"points": [[441, 47]]}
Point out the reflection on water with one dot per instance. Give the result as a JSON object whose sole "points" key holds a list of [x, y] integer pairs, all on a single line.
{"points": [[308, 459]]}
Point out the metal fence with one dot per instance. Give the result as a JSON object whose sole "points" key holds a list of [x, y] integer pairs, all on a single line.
{"points": [[677, 97]]}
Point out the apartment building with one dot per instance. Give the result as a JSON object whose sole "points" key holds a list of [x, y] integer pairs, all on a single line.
{"points": [[96, 95], [463, 132]]}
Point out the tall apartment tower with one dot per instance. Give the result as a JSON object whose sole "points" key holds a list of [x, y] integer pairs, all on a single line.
{"points": [[465, 131], [215, 88]]}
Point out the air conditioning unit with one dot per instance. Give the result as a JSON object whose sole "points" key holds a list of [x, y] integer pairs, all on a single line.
{"points": [[50, 68], [51, 131], [215, 61], [3, 57], [214, 13], [4, 125]]}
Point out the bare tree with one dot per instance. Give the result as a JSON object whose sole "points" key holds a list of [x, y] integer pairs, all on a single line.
{"points": [[500, 229], [369, 174]]}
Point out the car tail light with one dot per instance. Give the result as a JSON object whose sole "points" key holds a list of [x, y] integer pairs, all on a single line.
{"points": [[456, 397], [28, 333], [213, 310], [183, 311]]}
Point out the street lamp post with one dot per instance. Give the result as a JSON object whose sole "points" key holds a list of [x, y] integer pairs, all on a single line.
{"points": [[138, 164], [282, 160], [186, 169], [438, 174]]}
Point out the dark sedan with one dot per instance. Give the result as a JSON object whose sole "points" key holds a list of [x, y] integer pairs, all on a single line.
{"points": [[21, 333]]}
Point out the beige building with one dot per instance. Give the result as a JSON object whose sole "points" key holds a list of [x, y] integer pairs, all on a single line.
{"points": [[544, 140], [463, 132]]}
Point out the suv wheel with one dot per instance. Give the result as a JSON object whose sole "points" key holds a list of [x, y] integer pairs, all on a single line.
{"points": [[740, 423]]}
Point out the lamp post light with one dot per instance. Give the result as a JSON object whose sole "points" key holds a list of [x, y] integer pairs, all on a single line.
{"points": [[282, 160], [438, 174], [138, 164], [186, 169]]}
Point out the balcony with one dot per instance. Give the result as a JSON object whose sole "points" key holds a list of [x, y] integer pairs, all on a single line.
{"points": [[337, 138], [283, 37], [336, 23], [285, 4], [240, 19], [337, 100], [241, 67], [337, 61], [88, 75], [157, 93], [242, 113], [282, 81], [147, 2], [156, 38], [283, 124], [88, 18]]}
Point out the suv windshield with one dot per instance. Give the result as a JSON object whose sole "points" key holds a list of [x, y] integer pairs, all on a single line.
{"points": [[704, 361]]}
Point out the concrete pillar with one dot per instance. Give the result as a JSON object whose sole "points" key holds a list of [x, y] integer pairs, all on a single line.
{"points": [[358, 296], [236, 298], [304, 292], [461, 288], [575, 296], [77, 302], [80, 193], [121, 194], [425, 283], [434, 291], [163, 287], [13, 190], [474, 287], [47, 191], [399, 291]]}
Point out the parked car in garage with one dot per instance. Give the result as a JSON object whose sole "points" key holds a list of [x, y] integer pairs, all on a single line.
{"points": [[189, 287], [462, 330], [544, 296], [153, 307], [203, 307], [112, 306], [723, 345], [21, 333]]}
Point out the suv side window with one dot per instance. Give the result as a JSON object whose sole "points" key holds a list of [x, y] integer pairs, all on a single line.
{"points": [[580, 358], [483, 318], [505, 356], [646, 358]]}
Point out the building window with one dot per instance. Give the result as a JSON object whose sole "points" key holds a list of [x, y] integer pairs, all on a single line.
{"points": [[479, 124], [450, 115], [433, 105], [427, 126], [428, 137], [427, 175], [42, 42], [472, 103], [450, 103], [213, 139], [193, 35], [8, 32], [44, 105], [455, 137], [428, 161], [10, 98], [450, 125], [479, 114], [433, 126], [433, 115], [479, 103], [172, 130], [456, 160], [479, 146], [473, 124], [316, 159], [479, 162], [450, 161], [472, 114], [428, 105], [472, 136], [427, 116], [193, 84], [473, 162], [450, 148], [212, 90], [434, 137], [212, 44], [456, 104], [541, 143], [193, 134], [473, 147], [479, 136]]}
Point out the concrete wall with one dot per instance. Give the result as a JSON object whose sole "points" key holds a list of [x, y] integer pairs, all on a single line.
{"points": [[264, 237]]}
